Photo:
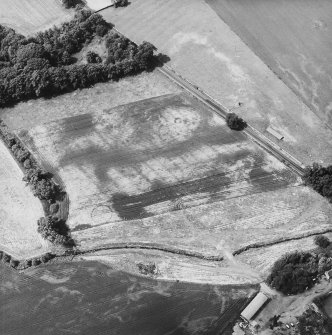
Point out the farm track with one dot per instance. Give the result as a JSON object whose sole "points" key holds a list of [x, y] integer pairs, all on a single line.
{"points": [[290, 161], [222, 111], [189, 253]]}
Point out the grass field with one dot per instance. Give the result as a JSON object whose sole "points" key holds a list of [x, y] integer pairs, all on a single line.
{"points": [[19, 211], [91, 298], [293, 38], [205, 50], [29, 16], [151, 157]]}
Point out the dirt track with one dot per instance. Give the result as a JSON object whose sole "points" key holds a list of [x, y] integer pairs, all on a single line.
{"points": [[194, 33]]}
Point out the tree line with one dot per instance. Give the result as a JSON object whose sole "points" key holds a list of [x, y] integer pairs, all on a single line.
{"points": [[44, 65], [297, 271], [43, 187], [320, 179]]}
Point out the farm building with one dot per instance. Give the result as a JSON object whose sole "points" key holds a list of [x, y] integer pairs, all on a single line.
{"points": [[274, 133], [255, 305]]}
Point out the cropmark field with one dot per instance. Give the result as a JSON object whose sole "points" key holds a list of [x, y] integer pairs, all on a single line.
{"points": [[28, 17], [166, 171], [206, 51], [151, 157]]}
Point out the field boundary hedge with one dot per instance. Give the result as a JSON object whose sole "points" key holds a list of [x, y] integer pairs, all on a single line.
{"points": [[16, 264], [50, 193], [189, 253]]}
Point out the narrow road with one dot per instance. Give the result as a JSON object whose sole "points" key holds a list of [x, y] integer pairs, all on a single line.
{"points": [[222, 111], [265, 143]]}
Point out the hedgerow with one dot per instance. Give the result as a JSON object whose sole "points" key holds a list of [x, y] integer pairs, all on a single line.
{"points": [[42, 186], [320, 179], [295, 272], [235, 122]]}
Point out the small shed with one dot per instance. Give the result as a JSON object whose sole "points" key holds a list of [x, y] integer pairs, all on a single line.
{"points": [[253, 308], [275, 133]]}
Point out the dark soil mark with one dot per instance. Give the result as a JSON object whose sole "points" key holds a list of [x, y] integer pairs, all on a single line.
{"points": [[132, 207], [82, 227]]}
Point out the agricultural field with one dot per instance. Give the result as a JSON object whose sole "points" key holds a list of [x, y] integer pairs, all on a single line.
{"points": [[19, 211], [89, 297], [193, 34], [28, 17], [221, 228], [151, 157], [166, 171], [293, 38]]}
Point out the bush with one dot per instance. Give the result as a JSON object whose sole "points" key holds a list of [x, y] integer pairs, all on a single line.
{"points": [[311, 323], [294, 272], [322, 241], [147, 269], [46, 257], [54, 230], [6, 258], [92, 57], [320, 179], [235, 122], [27, 263], [30, 51], [35, 261], [121, 3], [71, 3], [14, 263], [44, 189], [54, 208]]}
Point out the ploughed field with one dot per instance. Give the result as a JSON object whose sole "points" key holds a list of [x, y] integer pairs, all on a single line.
{"points": [[151, 157], [90, 298], [19, 211], [29, 16], [293, 38]]}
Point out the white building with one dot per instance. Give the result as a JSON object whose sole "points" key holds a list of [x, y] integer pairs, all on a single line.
{"points": [[255, 305]]}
